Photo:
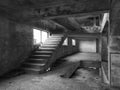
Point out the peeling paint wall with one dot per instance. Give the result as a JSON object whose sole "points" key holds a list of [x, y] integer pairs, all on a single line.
{"points": [[15, 44]]}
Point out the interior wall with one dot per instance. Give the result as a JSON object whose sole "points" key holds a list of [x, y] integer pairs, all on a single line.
{"points": [[68, 49], [15, 44], [87, 45]]}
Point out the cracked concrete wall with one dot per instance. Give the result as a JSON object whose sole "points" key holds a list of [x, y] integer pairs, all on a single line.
{"points": [[15, 44]]}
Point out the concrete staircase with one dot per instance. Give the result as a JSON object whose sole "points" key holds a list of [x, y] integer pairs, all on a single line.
{"points": [[42, 58]]}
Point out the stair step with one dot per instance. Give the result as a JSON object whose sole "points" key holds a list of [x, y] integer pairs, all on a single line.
{"points": [[33, 65], [37, 63], [33, 60], [54, 45], [40, 56], [57, 35], [33, 70], [55, 38], [49, 46], [46, 49], [51, 43], [43, 52]]}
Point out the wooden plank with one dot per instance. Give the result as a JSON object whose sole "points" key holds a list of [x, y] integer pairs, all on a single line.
{"points": [[69, 72]]}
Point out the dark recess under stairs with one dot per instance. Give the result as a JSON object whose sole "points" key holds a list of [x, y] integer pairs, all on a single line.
{"points": [[42, 58]]}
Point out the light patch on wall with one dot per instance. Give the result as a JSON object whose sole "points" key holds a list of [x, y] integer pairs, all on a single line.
{"points": [[87, 45]]}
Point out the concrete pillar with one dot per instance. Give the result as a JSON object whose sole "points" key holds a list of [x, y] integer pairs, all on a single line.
{"points": [[70, 44], [77, 44], [115, 41]]}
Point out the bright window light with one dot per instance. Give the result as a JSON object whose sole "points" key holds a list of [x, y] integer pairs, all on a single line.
{"points": [[39, 36], [65, 43], [36, 36], [44, 36], [73, 42]]}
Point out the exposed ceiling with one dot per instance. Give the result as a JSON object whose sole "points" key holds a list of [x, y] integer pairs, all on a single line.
{"points": [[53, 14]]}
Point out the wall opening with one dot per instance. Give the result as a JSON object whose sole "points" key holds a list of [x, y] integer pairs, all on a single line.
{"points": [[73, 42], [39, 36], [87, 46], [36, 36], [65, 43]]}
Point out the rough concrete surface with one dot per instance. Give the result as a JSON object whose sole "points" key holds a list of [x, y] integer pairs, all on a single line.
{"points": [[82, 79], [51, 80]]}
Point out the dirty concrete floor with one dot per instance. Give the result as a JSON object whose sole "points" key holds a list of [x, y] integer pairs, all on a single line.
{"points": [[83, 79], [37, 82]]}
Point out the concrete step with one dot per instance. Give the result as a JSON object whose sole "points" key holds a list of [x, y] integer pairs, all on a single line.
{"points": [[53, 39], [33, 65], [51, 43], [37, 62], [34, 60], [49, 46], [54, 44], [32, 70], [43, 52], [46, 49], [40, 56], [56, 36]]}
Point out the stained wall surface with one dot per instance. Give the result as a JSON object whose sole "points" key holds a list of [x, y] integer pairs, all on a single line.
{"points": [[15, 44]]}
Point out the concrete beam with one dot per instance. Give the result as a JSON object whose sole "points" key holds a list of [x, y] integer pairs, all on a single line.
{"points": [[65, 9], [74, 23]]}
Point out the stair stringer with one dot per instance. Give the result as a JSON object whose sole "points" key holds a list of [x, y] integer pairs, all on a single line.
{"points": [[55, 55]]}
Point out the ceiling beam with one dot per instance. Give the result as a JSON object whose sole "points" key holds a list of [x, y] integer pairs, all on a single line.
{"points": [[80, 15], [64, 22], [59, 25], [38, 4], [74, 23], [65, 9]]}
